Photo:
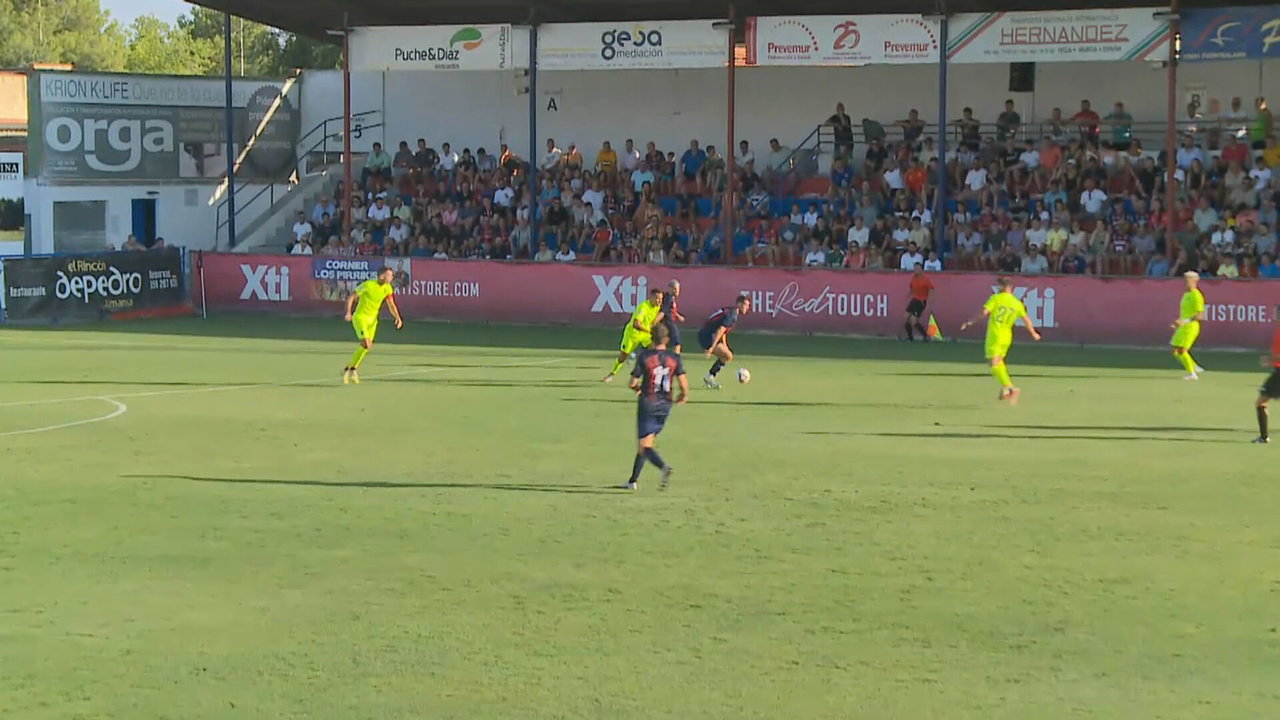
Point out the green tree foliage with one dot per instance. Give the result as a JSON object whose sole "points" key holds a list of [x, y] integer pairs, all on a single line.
{"points": [[80, 32]]}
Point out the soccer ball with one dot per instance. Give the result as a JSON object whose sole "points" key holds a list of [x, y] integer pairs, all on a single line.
{"points": [[744, 375]]}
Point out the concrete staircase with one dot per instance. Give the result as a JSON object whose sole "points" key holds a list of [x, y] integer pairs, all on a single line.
{"points": [[270, 231]]}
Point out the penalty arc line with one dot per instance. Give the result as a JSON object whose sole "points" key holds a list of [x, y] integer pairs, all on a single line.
{"points": [[120, 409]]}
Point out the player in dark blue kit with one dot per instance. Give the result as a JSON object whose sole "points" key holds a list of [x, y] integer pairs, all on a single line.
{"points": [[657, 368], [714, 337], [671, 314]]}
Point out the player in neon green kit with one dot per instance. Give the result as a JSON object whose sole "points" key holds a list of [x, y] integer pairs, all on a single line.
{"points": [[639, 331], [370, 295], [1002, 311], [1187, 327]]}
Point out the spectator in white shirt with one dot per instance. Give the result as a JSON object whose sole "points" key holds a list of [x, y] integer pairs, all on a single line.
{"points": [[503, 196], [859, 234], [566, 254], [1260, 174], [379, 214], [815, 257], [1037, 234], [1033, 263], [1189, 153], [302, 228], [893, 178], [629, 158], [975, 181], [398, 232], [1030, 157], [640, 177], [551, 161], [303, 246], [911, 258], [779, 156], [448, 159], [744, 154], [594, 197], [811, 216], [933, 264], [1092, 199], [1222, 238], [544, 253], [902, 234]]}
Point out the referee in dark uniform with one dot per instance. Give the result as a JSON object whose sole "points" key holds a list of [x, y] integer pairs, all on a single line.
{"points": [[671, 316]]}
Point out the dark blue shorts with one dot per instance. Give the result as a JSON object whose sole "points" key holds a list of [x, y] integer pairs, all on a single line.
{"points": [[674, 331], [705, 340], [648, 423]]}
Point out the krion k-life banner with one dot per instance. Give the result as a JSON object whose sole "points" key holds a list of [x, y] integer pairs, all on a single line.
{"points": [[92, 127], [90, 287], [1102, 311]]}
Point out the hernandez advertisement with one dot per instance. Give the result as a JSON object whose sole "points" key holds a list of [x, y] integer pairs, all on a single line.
{"points": [[129, 127], [1067, 309], [438, 47], [842, 40], [91, 287], [1058, 36]]}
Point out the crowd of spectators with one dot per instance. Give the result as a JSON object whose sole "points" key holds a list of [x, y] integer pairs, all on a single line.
{"points": [[1076, 194]]}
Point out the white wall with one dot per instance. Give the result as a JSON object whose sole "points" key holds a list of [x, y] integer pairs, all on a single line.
{"points": [[321, 92], [470, 109], [184, 214]]}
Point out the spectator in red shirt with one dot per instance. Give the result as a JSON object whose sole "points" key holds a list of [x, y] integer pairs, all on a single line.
{"points": [[1235, 151], [1088, 122]]}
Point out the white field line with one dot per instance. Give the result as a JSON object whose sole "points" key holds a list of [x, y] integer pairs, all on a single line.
{"points": [[120, 409]]}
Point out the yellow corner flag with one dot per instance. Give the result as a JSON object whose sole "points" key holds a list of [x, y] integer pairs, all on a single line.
{"points": [[934, 332]]}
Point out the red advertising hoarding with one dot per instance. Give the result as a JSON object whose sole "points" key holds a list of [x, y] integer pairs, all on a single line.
{"points": [[1125, 311]]}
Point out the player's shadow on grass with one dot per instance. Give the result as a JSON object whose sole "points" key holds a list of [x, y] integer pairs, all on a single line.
{"points": [[1007, 436], [1131, 428], [512, 487], [463, 382], [126, 383], [630, 400]]}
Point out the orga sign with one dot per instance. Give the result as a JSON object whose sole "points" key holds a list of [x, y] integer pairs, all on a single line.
{"points": [[671, 44], [1057, 36], [437, 47], [842, 40], [131, 127], [1069, 309]]}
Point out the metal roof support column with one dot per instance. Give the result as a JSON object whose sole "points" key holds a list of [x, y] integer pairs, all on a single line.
{"points": [[940, 197], [728, 210], [532, 173], [230, 118], [346, 131], [1171, 132]]}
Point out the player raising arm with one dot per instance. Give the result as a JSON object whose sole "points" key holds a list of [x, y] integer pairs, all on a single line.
{"points": [[639, 330], [370, 295], [655, 371], [1187, 327], [1270, 388], [714, 337], [1002, 311]]}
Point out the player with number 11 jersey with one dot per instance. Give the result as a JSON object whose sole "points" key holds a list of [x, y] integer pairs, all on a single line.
{"points": [[657, 370]]}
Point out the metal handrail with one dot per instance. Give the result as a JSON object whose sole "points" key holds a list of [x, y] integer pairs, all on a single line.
{"points": [[299, 158]]}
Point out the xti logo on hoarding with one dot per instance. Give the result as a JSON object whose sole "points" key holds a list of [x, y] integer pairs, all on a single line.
{"points": [[269, 283], [637, 43], [1039, 302], [618, 293], [123, 140]]}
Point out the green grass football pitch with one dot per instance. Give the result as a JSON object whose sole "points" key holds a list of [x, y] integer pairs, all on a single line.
{"points": [[861, 532]]}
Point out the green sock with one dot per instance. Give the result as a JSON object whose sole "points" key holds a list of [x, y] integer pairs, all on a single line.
{"points": [[616, 367], [1187, 362], [1001, 374], [358, 357]]}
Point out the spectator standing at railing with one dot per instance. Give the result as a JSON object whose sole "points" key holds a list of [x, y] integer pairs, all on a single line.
{"points": [[912, 129], [550, 163], [970, 130], [1087, 122], [1263, 125], [1121, 127], [1008, 123], [842, 126]]}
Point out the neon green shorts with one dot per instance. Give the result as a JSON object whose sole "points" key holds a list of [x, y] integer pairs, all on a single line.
{"points": [[998, 346], [1185, 336], [365, 329], [632, 341]]}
